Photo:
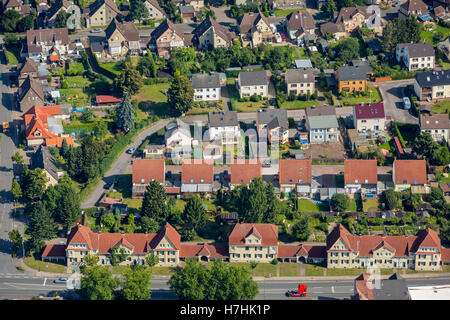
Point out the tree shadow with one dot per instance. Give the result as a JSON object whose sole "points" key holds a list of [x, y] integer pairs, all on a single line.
{"points": [[8, 100], [5, 246]]}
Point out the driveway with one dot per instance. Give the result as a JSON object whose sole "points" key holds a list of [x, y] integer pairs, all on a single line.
{"points": [[392, 93]]}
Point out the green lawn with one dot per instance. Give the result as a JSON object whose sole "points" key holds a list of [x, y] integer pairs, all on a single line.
{"points": [[119, 269], [114, 67], [386, 272], [153, 92], [370, 205], [445, 180], [77, 82], [352, 206], [298, 104], [133, 203], [386, 145], [288, 269], [285, 12], [314, 270], [75, 68], [163, 271], [199, 110], [427, 36], [11, 57], [308, 206], [441, 107], [44, 266], [75, 96], [366, 99], [249, 106], [262, 269], [179, 204], [343, 272]]}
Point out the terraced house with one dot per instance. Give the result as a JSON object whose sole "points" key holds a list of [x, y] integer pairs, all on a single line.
{"points": [[295, 177], [155, 12], [360, 176], [420, 252]]}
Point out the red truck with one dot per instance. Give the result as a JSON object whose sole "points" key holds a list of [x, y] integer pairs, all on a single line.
{"points": [[301, 292]]}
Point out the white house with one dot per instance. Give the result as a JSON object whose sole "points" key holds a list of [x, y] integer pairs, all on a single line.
{"points": [[224, 126], [432, 85], [415, 56], [253, 83], [206, 87], [178, 139], [435, 124], [369, 119]]}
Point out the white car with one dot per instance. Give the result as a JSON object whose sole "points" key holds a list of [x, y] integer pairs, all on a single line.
{"points": [[278, 37], [96, 30], [406, 103]]}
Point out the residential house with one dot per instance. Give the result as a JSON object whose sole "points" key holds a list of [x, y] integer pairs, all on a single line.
{"points": [[211, 35], [145, 171], [273, 124], [165, 244], [168, 36], [28, 68], [300, 81], [354, 17], [43, 159], [253, 83], [432, 85], [178, 139], [295, 176], [197, 175], [155, 12], [197, 4], [17, 5], [352, 78], [101, 13], [445, 187], [333, 29], [289, 4], [420, 252], [244, 171], [298, 24], [369, 119], [253, 242], [322, 125], [440, 14], [153, 151], [254, 28], [437, 125], [41, 43], [412, 7], [30, 93], [206, 87], [393, 288], [416, 55], [57, 7], [360, 176], [122, 37], [187, 13], [409, 174], [204, 252], [224, 127], [43, 125]]}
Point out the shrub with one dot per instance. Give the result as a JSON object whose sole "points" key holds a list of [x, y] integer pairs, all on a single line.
{"points": [[255, 98], [274, 261]]}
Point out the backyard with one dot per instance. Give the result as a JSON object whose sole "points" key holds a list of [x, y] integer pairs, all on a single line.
{"points": [[369, 98], [298, 104], [441, 107], [427, 36], [309, 206]]}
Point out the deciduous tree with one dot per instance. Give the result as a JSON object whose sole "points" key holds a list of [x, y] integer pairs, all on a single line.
{"points": [[137, 283], [180, 94], [97, 283]]}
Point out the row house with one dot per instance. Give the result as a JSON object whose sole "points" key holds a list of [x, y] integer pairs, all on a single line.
{"points": [[168, 36], [295, 176], [254, 29], [361, 176], [197, 175], [437, 125], [431, 85], [223, 127], [122, 38], [145, 171], [41, 43], [273, 125], [211, 35], [101, 13], [298, 24], [244, 171], [206, 87], [410, 174], [421, 252], [300, 81], [416, 55], [251, 83], [321, 124], [369, 119]]}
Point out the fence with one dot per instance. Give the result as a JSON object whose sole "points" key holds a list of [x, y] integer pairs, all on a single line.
{"points": [[383, 79]]}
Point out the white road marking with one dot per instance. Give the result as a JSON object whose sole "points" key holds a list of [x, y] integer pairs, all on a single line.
{"points": [[45, 280], [332, 289]]}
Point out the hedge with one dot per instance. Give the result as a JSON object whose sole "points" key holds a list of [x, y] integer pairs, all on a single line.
{"points": [[399, 135], [102, 70], [155, 81]]}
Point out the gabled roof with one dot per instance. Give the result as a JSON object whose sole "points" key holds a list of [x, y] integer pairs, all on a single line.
{"points": [[250, 20], [339, 233], [220, 30], [170, 233], [93, 7], [127, 29], [330, 27], [28, 67], [265, 116], [369, 111], [292, 171], [245, 172], [31, 84], [347, 13], [54, 9], [300, 20], [36, 118], [205, 80], [163, 27], [433, 78], [268, 233], [146, 170], [43, 159], [47, 35], [350, 73], [414, 6], [360, 171], [204, 249], [223, 119], [384, 244], [434, 121], [299, 75], [193, 171], [415, 50], [253, 78], [409, 171], [155, 4]]}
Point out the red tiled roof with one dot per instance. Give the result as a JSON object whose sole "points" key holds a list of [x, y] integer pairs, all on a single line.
{"points": [[290, 251], [58, 141], [172, 190], [291, 171], [369, 111], [445, 187], [146, 170], [360, 171], [411, 171], [268, 233], [398, 145], [445, 254], [54, 250], [245, 172], [107, 99], [206, 249], [197, 170], [36, 119], [363, 292]]}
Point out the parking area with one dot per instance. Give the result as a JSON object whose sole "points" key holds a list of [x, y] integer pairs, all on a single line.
{"points": [[392, 93]]}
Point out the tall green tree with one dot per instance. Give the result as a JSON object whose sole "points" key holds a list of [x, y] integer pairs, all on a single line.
{"points": [[16, 189], [151, 260], [194, 216], [184, 60], [147, 66], [138, 11], [329, 7], [190, 282], [64, 148], [16, 238], [180, 94], [97, 283], [17, 158], [392, 199], [9, 20], [154, 204], [129, 80], [148, 225], [33, 183], [125, 114], [340, 202], [61, 19], [347, 49], [302, 229], [91, 259], [256, 202], [137, 283], [424, 145], [41, 226], [68, 205]]}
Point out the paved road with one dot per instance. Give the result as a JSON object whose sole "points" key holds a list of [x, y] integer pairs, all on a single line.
{"points": [[7, 149], [25, 287], [392, 93]]}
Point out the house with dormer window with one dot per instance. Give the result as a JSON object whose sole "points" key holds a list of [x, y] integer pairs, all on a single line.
{"points": [[146, 171], [254, 29], [437, 125], [295, 176], [197, 175], [244, 171], [369, 119], [360, 176], [410, 174]]}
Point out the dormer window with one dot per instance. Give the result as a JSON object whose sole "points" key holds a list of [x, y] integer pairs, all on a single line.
{"points": [[142, 180]]}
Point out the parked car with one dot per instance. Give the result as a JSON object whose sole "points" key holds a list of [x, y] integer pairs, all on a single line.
{"points": [[96, 30], [267, 164], [278, 38], [131, 150], [397, 4], [406, 103], [60, 280]]}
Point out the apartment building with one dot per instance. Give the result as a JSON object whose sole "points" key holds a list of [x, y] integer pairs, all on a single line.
{"points": [[206, 87], [299, 81], [351, 79], [295, 176], [253, 83], [360, 176], [322, 125], [415, 56], [432, 85], [437, 125], [40, 43], [369, 119]]}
